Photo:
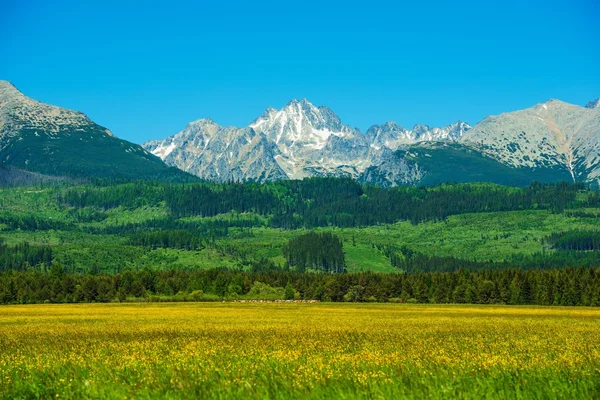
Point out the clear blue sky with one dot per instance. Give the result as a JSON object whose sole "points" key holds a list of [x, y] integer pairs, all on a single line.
{"points": [[144, 72]]}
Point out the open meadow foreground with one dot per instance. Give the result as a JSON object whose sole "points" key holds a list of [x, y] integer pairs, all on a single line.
{"points": [[271, 350]]}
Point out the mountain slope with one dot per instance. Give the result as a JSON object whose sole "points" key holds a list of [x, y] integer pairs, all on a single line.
{"points": [[433, 163], [50, 140], [552, 135]]}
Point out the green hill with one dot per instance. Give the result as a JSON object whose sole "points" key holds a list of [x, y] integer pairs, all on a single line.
{"points": [[88, 154]]}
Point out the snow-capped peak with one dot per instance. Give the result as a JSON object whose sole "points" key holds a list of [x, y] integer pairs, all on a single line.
{"points": [[298, 124]]}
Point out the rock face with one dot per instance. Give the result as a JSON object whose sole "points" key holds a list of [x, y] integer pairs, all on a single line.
{"points": [[553, 134], [54, 141], [393, 170], [392, 135], [300, 140], [312, 140], [219, 153]]}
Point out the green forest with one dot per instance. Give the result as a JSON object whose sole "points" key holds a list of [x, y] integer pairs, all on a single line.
{"points": [[468, 242]]}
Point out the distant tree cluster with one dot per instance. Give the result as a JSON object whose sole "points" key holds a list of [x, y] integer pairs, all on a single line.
{"points": [[109, 195], [316, 251], [578, 240], [411, 261], [28, 222], [177, 239], [565, 287], [24, 256], [593, 199]]}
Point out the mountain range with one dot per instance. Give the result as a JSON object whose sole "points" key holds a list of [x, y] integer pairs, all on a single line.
{"points": [[298, 141], [550, 141]]}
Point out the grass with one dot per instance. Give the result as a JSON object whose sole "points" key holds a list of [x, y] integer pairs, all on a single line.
{"points": [[228, 350]]}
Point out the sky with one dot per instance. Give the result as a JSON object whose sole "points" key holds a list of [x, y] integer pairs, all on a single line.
{"points": [[144, 69]]}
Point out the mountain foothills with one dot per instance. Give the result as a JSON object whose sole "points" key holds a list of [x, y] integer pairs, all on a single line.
{"points": [[549, 142], [38, 140]]}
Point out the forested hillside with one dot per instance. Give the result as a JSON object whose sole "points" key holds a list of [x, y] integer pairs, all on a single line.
{"points": [[327, 201], [315, 226]]}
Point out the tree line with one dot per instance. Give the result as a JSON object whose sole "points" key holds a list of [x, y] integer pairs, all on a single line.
{"points": [[565, 287], [411, 261], [578, 240], [318, 202]]}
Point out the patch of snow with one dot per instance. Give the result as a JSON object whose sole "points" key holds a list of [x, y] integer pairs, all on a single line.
{"points": [[162, 151]]}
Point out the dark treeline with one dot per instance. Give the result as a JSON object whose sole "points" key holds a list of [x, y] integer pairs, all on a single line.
{"points": [[593, 199], [176, 239], [204, 228], [578, 240], [319, 202], [24, 256], [345, 203], [316, 251], [566, 287], [33, 223], [410, 261], [107, 196]]}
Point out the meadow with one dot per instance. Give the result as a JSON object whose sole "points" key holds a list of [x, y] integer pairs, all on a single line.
{"points": [[274, 350]]}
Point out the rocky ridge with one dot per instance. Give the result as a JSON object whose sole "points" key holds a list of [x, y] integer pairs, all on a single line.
{"points": [[300, 140]]}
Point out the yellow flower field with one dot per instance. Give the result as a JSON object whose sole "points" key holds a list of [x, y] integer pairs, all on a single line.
{"points": [[233, 350]]}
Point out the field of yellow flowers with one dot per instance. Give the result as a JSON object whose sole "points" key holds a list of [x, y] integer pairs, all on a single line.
{"points": [[233, 350]]}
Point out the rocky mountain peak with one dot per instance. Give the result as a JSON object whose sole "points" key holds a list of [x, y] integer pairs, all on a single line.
{"points": [[388, 127], [47, 139], [419, 129], [299, 123], [203, 122], [7, 89], [11, 96], [18, 112]]}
